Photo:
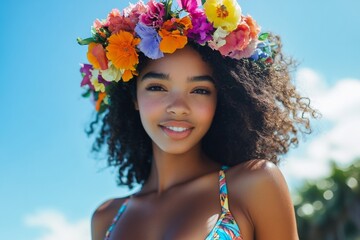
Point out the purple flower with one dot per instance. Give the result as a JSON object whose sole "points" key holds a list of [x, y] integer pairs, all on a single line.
{"points": [[86, 73], [154, 17], [202, 30], [102, 80], [150, 41]]}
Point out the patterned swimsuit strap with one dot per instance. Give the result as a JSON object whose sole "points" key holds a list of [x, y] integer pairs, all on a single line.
{"points": [[223, 190], [116, 218]]}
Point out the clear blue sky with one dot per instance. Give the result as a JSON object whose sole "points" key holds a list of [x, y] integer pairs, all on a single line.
{"points": [[45, 154]]}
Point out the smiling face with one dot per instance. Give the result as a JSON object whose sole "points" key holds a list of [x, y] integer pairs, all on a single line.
{"points": [[176, 98]]}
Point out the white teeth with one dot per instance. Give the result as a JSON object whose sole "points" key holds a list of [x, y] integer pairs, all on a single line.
{"points": [[177, 129]]}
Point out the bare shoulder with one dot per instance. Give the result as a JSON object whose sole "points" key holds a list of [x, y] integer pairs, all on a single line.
{"points": [[103, 216], [259, 187], [258, 175]]}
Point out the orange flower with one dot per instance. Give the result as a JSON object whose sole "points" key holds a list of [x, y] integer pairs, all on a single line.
{"points": [[128, 75], [121, 50], [254, 28], [173, 34], [96, 56], [101, 97]]}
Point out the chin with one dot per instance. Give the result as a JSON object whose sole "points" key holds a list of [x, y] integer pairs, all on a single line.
{"points": [[175, 149]]}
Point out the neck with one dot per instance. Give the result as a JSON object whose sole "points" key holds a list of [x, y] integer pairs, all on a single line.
{"points": [[169, 170]]}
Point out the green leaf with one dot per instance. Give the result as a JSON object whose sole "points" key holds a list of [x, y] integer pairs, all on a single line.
{"points": [[85, 41], [203, 2], [103, 108], [263, 36], [168, 5], [86, 94]]}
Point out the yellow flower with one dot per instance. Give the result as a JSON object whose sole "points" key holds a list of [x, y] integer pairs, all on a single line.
{"points": [[121, 50], [98, 86], [223, 13], [95, 81]]}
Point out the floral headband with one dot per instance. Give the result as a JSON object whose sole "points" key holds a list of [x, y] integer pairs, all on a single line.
{"points": [[154, 29]]}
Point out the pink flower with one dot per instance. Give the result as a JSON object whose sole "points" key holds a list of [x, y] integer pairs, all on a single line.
{"points": [[113, 14], [154, 17], [117, 22], [241, 43], [113, 19], [247, 52], [122, 23], [97, 25], [135, 10], [190, 6]]}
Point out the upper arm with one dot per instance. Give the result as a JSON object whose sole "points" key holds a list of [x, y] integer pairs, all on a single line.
{"points": [[102, 218], [268, 203]]}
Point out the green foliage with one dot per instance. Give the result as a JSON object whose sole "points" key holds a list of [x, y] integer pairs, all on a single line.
{"points": [[263, 36], [329, 208], [85, 41]]}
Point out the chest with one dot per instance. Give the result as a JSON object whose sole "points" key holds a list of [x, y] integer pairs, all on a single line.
{"points": [[175, 217], [181, 216]]}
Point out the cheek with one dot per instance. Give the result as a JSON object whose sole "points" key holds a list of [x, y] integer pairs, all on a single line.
{"points": [[149, 108], [146, 102], [205, 111]]}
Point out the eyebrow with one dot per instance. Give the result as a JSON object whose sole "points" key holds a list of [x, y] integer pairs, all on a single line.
{"points": [[163, 76]]}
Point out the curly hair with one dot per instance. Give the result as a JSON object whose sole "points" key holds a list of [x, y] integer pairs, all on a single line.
{"points": [[259, 115]]}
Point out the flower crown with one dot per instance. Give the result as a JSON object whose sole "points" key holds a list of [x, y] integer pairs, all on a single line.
{"points": [[154, 29]]}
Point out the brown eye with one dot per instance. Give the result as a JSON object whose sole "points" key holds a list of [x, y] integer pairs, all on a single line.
{"points": [[155, 88], [202, 91]]}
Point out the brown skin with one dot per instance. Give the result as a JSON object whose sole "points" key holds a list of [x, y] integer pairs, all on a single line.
{"points": [[180, 200], [258, 199]]}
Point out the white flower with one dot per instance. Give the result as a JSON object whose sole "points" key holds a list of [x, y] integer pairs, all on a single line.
{"points": [[218, 38], [112, 73]]}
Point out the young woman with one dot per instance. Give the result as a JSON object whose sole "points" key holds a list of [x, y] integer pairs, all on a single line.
{"points": [[196, 108]]}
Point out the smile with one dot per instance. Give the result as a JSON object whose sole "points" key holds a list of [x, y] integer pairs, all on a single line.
{"points": [[176, 133], [177, 129]]}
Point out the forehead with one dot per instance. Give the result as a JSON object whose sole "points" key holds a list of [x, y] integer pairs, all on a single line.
{"points": [[185, 62]]}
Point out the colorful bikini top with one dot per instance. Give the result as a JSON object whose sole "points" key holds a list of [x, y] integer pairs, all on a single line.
{"points": [[226, 226]]}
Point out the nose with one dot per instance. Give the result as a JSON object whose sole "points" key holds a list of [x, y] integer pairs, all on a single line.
{"points": [[178, 105]]}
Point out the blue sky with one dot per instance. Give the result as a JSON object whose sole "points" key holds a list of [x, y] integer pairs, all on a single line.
{"points": [[46, 164]]}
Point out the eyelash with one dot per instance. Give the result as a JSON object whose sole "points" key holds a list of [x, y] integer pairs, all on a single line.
{"points": [[201, 91], [155, 88]]}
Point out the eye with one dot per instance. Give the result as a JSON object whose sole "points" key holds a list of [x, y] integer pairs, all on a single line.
{"points": [[155, 88], [202, 91]]}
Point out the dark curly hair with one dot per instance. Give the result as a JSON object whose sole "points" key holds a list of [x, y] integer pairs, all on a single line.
{"points": [[259, 115]]}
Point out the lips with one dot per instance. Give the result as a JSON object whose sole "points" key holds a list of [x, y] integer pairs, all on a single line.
{"points": [[177, 130]]}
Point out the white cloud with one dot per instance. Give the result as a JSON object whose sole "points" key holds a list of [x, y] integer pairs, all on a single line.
{"points": [[55, 226], [339, 130]]}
